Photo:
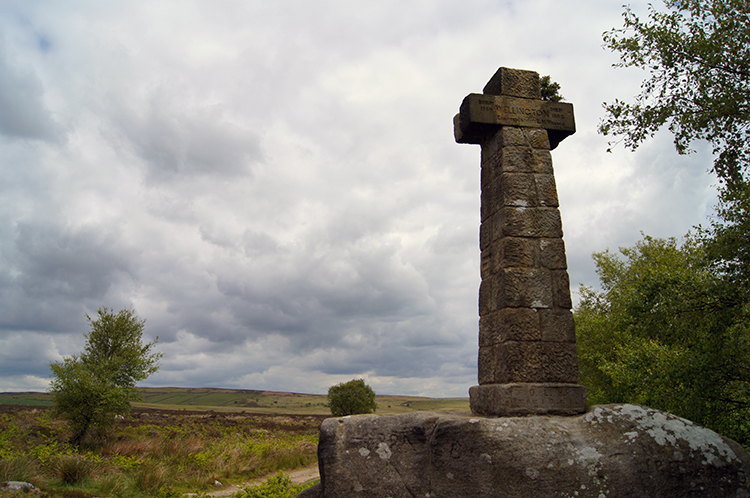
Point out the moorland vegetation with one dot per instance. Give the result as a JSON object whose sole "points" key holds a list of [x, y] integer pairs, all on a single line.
{"points": [[156, 453]]}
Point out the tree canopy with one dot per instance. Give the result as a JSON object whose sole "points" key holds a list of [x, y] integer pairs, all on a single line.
{"points": [[92, 388], [668, 332], [697, 55], [670, 327], [351, 398]]}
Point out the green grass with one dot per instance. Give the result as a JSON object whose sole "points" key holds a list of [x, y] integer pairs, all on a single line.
{"points": [[279, 402], [25, 399], [248, 401]]}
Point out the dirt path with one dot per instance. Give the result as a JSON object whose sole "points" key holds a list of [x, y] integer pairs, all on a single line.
{"points": [[297, 476]]}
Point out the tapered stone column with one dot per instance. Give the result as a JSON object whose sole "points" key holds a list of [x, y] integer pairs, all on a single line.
{"points": [[528, 360]]}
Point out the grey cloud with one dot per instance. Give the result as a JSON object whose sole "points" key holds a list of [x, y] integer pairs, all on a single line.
{"points": [[53, 275], [56, 261], [293, 208], [23, 113], [175, 139]]}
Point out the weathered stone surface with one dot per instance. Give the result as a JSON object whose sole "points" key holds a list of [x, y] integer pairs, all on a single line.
{"points": [[552, 252], [528, 361], [512, 400], [510, 324], [515, 288], [508, 136], [530, 222], [479, 114], [520, 222], [24, 487], [611, 451], [557, 325], [523, 160], [312, 492], [561, 289], [514, 82]]}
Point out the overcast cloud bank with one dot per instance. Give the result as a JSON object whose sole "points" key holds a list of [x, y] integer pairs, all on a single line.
{"points": [[275, 187]]}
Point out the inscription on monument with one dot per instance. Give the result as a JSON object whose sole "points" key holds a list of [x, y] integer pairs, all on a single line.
{"points": [[511, 111]]}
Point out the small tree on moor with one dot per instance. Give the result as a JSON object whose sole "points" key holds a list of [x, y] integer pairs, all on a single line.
{"points": [[351, 398], [90, 389]]}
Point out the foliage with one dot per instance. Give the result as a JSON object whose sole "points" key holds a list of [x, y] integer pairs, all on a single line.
{"points": [[550, 89], [668, 332], [85, 399], [351, 398], [727, 240], [92, 388], [278, 486], [698, 58], [114, 348]]}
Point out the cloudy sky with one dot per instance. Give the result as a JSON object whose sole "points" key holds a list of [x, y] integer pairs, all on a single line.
{"points": [[275, 187]]}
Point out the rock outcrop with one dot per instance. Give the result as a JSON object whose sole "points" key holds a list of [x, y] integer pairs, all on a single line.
{"points": [[610, 451]]}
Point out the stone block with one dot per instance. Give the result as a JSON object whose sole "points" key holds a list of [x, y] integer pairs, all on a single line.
{"points": [[559, 362], [546, 191], [515, 288], [526, 222], [537, 138], [515, 83], [517, 190], [557, 325], [486, 362], [510, 136], [523, 160], [561, 289], [488, 232], [516, 252], [513, 189], [487, 261], [504, 136], [523, 288], [534, 361], [552, 254], [510, 324], [488, 296], [508, 400]]}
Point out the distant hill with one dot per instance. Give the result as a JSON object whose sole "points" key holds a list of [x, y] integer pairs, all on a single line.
{"points": [[252, 401]]}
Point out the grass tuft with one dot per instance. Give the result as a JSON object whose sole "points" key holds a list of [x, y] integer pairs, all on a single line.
{"points": [[73, 469]]}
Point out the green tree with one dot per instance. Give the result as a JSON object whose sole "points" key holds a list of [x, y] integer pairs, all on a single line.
{"points": [[550, 89], [92, 388], [697, 55], [668, 332], [351, 398]]}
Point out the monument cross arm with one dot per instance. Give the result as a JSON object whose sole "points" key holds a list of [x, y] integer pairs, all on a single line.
{"points": [[480, 114]]}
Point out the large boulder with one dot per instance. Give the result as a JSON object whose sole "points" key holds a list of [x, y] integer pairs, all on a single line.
{"points": [[610, 451]]}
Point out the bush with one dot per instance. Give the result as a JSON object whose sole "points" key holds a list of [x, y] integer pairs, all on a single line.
{"points": [[278, 486], [351, 398]]}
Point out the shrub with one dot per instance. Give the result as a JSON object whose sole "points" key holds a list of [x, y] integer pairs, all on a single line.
{"points": [[278, 486], [351, 398]]}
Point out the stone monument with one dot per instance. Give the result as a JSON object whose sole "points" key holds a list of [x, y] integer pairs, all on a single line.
{"points": [[528, 436], [527, 352]]}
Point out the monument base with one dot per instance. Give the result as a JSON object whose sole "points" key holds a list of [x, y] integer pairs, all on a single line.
{"points": [[510, 400], [612, 451]]}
